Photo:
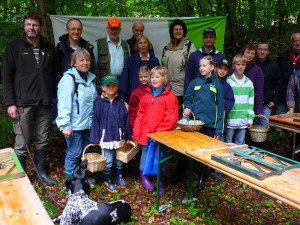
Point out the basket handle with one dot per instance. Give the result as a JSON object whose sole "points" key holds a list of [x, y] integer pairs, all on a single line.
{"points": [[193, 116], [89, 145], [265, 118], [133, 143]]}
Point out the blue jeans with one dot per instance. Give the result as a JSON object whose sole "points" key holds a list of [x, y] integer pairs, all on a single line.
{"points": [[237, 134], [263, 121], [281, 108], [76, 143], [110, 155]]}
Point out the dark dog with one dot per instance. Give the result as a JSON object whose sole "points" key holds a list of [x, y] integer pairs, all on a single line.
{"points": [[83, 211]]}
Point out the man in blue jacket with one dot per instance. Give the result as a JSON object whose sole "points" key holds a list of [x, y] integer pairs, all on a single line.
{"points": [[29, 85], [208, 48]]}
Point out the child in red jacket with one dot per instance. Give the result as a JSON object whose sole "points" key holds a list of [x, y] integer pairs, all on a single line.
{"points": [[138, 93], [158, 111]]}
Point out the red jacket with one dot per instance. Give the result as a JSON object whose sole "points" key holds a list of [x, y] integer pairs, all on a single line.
{"points": [[155, 114], [134, 100]]}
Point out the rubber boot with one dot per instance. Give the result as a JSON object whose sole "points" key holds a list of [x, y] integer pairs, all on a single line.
{"points": [[107, 182], [203, 176], [120, 179], [22, 160], [146, 182], [39, 161]]}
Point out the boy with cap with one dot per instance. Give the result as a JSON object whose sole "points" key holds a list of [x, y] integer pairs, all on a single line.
{"points": [[222, 70], [208, 48], [110, 129]]}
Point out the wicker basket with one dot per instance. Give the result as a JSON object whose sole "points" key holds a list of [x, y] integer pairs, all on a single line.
{"points": [[127, 151], [191, 128], [96, 162], [259, 133]]}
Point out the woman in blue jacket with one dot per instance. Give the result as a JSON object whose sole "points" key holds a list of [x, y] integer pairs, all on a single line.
{"points": [[76, 95], [129, 79]]}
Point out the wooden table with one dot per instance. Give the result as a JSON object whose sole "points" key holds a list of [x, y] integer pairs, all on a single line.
{"points": [[286, 122], [19, 203], [285, 187]]}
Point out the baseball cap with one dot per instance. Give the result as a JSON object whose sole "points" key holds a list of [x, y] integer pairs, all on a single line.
{"points": [[209, 31], [109, 79], [223, 62], [114, 22]]}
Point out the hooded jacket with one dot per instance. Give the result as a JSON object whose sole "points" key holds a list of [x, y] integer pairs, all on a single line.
{"points": [[129, 79], [228, 97], [133, 104], [110, 126], [205, 97], [26, 83], [68, 117], [192, 68], [64, 52], [155, 114], [175, 60]]}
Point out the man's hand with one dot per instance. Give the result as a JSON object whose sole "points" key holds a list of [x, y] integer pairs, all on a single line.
{"points": [[271, 104], [12, 111]]}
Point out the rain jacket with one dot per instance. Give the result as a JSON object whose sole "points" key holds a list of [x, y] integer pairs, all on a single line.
{"points": [[68, 116], [110, 126], [155, 114], [205, 97]]}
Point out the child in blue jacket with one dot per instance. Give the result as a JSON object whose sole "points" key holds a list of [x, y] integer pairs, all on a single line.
{"points": [[205, 98], [110, 128]]}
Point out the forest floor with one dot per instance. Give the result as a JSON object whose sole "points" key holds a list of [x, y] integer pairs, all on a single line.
{"points": [[225, 202]]}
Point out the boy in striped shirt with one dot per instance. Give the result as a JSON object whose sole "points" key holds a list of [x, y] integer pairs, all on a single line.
{"points": [[241, 115]]}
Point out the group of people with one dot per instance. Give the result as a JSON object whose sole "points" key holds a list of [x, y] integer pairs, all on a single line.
{"points": [[113, 91]]}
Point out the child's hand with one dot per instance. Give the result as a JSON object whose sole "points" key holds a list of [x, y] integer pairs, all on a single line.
{"points": [[186, 112], [217, 137], [249, 125]]}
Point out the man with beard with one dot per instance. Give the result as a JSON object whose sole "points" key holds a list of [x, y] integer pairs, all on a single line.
{"points": [[111, 52], [29, 85], [208, 48]]}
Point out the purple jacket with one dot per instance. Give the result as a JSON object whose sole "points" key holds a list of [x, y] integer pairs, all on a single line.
{"points": [[256, 75]]}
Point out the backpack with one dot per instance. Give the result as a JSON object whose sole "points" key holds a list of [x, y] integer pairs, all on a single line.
{"points": [[75, 91]]}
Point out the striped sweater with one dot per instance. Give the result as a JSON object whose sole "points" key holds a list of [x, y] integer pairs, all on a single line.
{"points": [[242, 112]]}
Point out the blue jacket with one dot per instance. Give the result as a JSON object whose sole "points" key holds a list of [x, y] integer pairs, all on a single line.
{"points": [[129, 79], [228, 97], [110, 126], [192, 68], [205, 97], [68, 117]]}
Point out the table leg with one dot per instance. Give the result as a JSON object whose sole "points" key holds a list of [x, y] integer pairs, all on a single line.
{"points": [[191, 163], [293, 145], [158, 180]]}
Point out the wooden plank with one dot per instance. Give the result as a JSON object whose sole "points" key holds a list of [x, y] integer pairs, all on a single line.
{"points": [[286, 119], [19, 203]]}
